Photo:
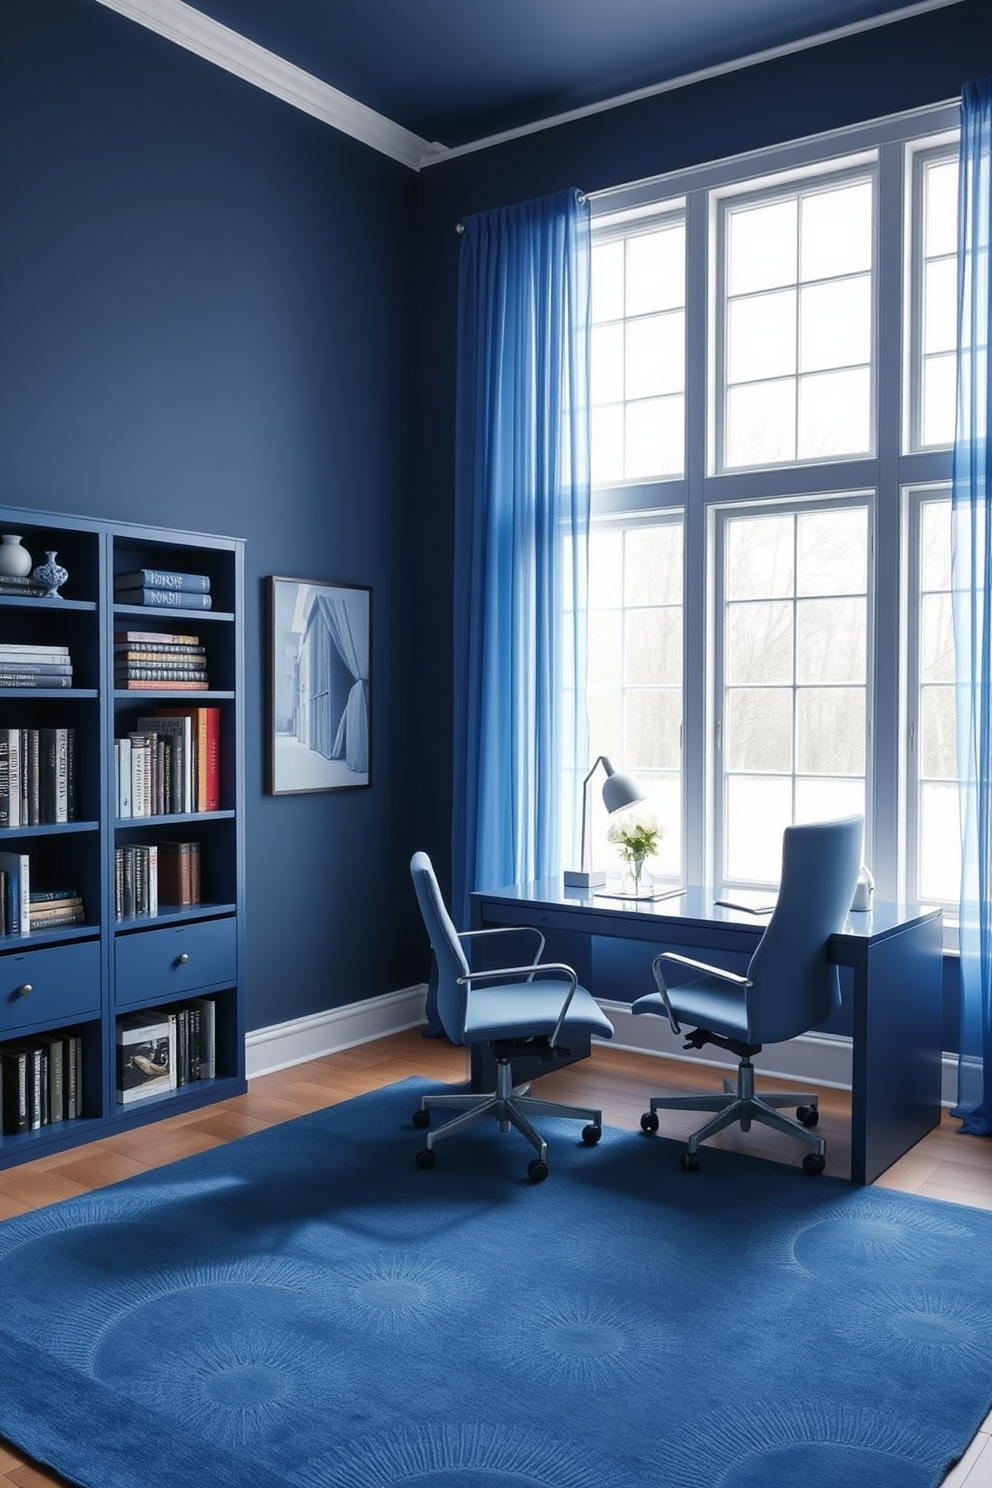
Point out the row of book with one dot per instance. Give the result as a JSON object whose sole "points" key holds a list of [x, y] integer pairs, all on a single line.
{"points": [[169, 763], [41, 1081], [163, 1048], [38, 776], [150, 874], [149, 661], [35, 666], [23, 909], [163, 588], [26, 587]]}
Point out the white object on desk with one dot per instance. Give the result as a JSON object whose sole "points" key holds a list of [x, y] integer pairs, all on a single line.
{"points": [[864, 890]]}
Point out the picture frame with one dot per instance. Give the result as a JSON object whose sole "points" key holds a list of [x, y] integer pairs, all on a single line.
{"points": [[319, 686]]}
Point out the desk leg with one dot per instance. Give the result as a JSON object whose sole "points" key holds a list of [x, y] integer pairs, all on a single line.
{"points": [[898, 1036]]}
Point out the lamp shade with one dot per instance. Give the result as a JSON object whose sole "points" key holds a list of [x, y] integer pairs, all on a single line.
{"points": [[620, 791]]}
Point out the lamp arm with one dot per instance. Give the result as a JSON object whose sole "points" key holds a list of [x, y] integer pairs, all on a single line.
{"points": [[583, 856]]}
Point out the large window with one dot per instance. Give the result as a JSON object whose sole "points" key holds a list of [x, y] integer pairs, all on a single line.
{"points": [[773, 375]]}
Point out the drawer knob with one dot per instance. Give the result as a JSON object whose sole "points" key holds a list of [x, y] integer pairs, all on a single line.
{"points": [[24, 991], [182, 960]]}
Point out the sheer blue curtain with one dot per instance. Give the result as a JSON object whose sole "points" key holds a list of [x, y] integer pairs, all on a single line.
{"points": [[972, 559], [521, 533]]}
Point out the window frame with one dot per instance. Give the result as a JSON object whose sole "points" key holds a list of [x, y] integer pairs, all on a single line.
{"points": [[919, 155]]}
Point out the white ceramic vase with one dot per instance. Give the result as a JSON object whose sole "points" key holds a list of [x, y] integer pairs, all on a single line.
{"points": [[15, 561]]}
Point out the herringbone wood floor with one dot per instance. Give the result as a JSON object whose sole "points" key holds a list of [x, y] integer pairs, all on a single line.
{"points": [[944, 1165]]}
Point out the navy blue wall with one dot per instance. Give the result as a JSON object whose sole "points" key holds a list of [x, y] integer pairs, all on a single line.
{"points": [[205, 302]]}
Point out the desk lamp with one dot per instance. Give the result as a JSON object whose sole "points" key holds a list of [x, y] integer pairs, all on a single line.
{"points": [[619, 792]]}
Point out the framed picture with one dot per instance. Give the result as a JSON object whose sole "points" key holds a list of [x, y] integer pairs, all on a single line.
{"points": [[319, 686]]}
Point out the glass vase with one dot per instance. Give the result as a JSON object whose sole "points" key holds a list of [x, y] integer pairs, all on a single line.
{"points": [[635, 879]]}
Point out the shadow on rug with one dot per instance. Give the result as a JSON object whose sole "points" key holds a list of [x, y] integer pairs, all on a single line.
{"points": [[305, 1307]]}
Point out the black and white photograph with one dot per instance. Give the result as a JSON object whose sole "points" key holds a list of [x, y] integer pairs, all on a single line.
{"points": [[320, 647]]}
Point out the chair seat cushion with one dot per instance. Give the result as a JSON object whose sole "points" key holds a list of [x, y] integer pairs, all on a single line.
{"points": [[706, 1002], [508, 1010]]}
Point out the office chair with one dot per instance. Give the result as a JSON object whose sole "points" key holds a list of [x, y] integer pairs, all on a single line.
{"points": [[516, 1012], [790, 987]]}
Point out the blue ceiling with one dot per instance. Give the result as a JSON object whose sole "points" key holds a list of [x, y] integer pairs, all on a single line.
{"points": [[457, 70]]}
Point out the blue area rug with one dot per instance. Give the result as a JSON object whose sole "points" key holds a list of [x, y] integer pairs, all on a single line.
{"points": [[305, 1307]]}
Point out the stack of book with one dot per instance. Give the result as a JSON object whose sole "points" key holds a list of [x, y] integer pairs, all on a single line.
{"points": [[22, 588], [136, 879], [161, 1049], [41, 1081], [38, 775], [162, 588], [50, 908], [35, 666], [148, 662]]}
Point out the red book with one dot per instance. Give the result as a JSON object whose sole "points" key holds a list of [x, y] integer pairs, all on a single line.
{"points": [[206, 726]]}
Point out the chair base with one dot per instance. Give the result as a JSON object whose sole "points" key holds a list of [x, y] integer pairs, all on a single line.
{"points": [[508, 1105], [740, 1105]]}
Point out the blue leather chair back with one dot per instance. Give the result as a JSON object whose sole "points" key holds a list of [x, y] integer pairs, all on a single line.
{"points": [[447, 948], [795, 986]]}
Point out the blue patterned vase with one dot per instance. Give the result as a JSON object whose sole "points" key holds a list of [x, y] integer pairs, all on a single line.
{"points": [[52, 575]]}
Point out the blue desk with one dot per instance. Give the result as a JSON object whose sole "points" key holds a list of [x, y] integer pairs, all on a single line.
{"points": [[895, 993]]}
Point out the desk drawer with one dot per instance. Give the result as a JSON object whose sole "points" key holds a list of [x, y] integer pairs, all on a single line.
{"points": [[157, 965], [501, 913], [64, 983]]}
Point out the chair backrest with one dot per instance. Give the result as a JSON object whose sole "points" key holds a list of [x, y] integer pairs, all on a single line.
{"points": [[795, 987], [447, 948]]}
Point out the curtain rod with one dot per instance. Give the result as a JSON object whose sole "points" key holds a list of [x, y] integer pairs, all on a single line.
{"points": [[460, 226]]}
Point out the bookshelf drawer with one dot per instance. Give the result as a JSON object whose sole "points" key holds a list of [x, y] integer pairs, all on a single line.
{"points": [[154, 965], [64, 984]]}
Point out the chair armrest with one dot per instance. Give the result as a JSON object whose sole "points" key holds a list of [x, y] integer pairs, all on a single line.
{"points": [[528, 973], [508, 930], [718, 971]]}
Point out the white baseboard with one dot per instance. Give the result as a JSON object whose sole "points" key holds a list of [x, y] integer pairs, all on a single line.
{"points": [[283, 1044], [813, 1059]]}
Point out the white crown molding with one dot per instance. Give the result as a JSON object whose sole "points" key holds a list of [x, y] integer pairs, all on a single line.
{"points": [[438, 153], [208, 39]]}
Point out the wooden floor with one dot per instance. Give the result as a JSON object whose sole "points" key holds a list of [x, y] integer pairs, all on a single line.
{"points": [[945, 1165]]}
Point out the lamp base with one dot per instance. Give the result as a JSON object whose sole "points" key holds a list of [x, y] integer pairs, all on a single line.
{"points": [[579, 878]]}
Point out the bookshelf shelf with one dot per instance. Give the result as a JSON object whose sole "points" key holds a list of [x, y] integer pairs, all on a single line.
{"points": [[74, 989]]}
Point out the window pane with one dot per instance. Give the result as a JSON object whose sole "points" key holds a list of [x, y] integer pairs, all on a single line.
{"points": [[935, 557], [835, 324], [607, 281], [759, 643], [607, 444], [654, 721], [666, 797], [939, 397], [834, 414], [606, 382], [653, 652], [832, 552], [656, 355], [836, 228], [604, 707], [763, 246], [654, 436], [761, 423], [828, 800], [605, 569], [759, 561], [830, 640], [941, 208], [937, 626], [655, 270], [759, 808], [938, 733], [759, 729], [940, 305], [940, 843], [604, 648], [653, 569], [830, 730], [761, 336]]}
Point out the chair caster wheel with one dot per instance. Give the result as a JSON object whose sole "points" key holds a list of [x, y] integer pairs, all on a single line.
{"points": [[649, 1122], [689, 1161], [537, 1170], [591, 1134], [807, 1115], [425, 1157], [814, 1164], [421, 1118]]}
